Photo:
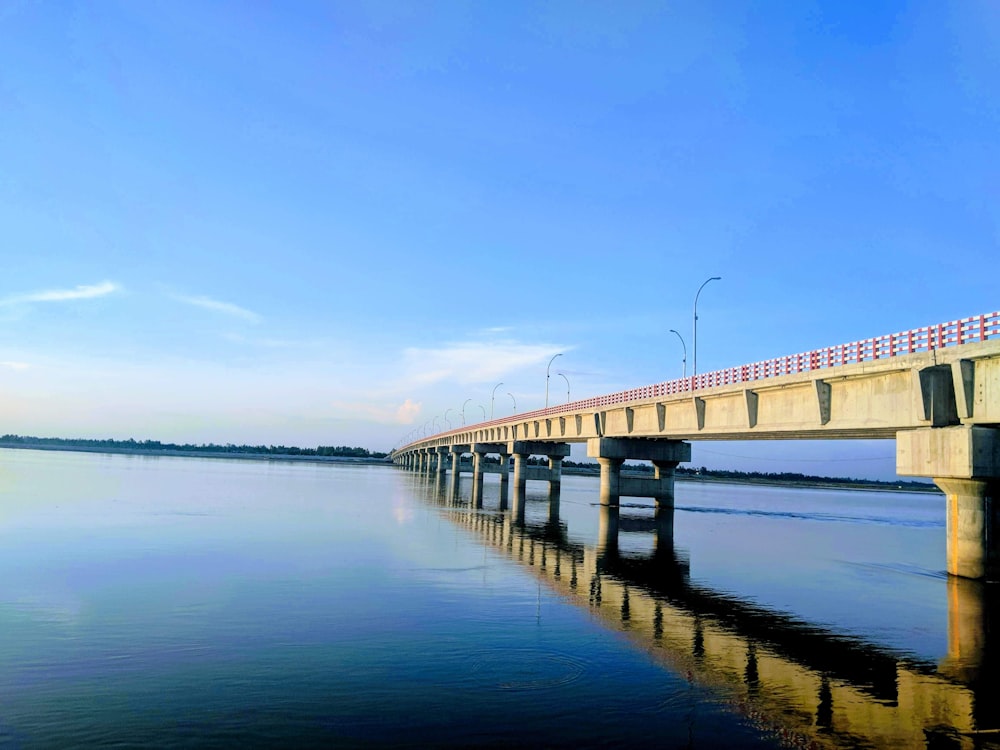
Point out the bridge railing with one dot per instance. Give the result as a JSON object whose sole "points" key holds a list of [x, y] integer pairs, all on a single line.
{"points": [[928, 338]]}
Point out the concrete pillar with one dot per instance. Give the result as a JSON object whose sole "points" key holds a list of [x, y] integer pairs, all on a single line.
{"points": [[519, 503], [555, 471], [477, 468], [964, 462], [663, 471], [504, 468], [972, 525], [554, 492], [520, 478], [611, 472], [441, 465]]}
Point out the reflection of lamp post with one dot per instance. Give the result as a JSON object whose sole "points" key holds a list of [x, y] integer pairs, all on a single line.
{"points": [[685, 360], [493, 398], [694, 369], [446, 418], [547, 378], [563, 376], [463, 409], [514, 400]]}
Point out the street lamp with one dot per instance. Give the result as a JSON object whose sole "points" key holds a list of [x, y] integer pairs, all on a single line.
{"points": [[685, 360], [694, 369], [435, 423], [446, 418], [547, 378], [463, 409], [563, 376], [514, 400], [484, 411], [493, 398]]}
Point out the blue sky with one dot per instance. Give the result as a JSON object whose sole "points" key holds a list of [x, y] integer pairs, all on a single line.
{"points": [[327, 223]]}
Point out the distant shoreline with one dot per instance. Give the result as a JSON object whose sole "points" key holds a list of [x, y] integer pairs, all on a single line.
{"points": [[167, 453], [567, 470]]}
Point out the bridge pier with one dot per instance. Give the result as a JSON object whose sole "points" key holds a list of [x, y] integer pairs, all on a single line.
{"points": [[964, 461], [611, 453], [523, 449]]}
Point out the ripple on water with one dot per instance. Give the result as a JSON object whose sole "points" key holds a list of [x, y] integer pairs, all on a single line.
{"points": [[529, 669]]}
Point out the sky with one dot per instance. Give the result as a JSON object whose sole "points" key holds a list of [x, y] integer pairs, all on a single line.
{"points": [[333, 223]]}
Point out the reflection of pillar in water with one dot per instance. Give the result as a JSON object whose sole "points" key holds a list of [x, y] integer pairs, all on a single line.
{"points": [[607, 529], [663, 519], [966, 629]]}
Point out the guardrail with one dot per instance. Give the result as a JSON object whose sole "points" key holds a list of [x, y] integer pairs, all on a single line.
{"points": [[925, 339]]}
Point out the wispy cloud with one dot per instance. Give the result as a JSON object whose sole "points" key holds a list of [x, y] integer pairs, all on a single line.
{"points": [[15, 365], [473, 361], [405, 413], [83, 291], [227, 308]]}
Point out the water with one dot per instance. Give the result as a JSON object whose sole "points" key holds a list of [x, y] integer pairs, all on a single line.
{"points": [[164, 602]]}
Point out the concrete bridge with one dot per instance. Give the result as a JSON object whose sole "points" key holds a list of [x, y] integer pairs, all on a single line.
{"points": [[794, 679], [935, 390]]}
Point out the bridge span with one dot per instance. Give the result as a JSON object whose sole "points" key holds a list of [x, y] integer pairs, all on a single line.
{"points": [[935, 390]]}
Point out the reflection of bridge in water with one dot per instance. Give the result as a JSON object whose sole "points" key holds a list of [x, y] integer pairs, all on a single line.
{"points": [[805, 684]]}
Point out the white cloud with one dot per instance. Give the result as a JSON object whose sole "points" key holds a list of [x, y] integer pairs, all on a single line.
{"points": [[474, 361], [408, 412], [83, 291], [405, 413], [215, 305], [15, 365]]}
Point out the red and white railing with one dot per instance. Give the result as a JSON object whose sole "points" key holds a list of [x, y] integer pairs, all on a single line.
{"points": [[953, 333]]}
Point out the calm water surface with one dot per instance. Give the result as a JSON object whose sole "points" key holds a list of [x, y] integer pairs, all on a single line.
{"points": [[164, 602]]}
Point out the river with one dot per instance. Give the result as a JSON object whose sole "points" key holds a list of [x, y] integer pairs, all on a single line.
{"points": [[168, 602]]}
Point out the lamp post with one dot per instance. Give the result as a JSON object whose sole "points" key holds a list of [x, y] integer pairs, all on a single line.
{"points": [[484, 411], [547, 378], [446, 418], [463, 409], [694, 368], [563, 376], [514, 400], [435, 423], [684, 361], [425, 428], [493, 398]]}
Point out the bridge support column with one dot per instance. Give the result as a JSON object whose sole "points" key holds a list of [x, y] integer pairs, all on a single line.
{"points": [[964, 462], [611, 474], [439, 465], [555, 471], [611, 453]]}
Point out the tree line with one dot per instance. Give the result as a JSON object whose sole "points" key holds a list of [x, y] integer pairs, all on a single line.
{"points": [[155, 445]]}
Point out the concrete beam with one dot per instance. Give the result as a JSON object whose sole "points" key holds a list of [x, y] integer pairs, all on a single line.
{"points": [[500, 448], [537, 448], [961, 452], [639, 449]]}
